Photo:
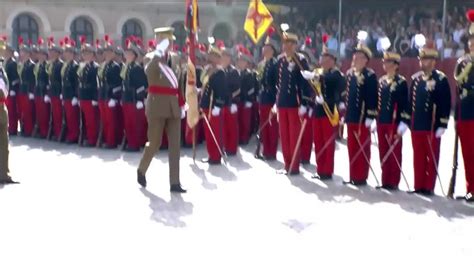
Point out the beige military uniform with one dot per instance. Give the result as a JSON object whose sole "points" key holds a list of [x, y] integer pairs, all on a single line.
{"points": [[163, 113], [4, 171]]}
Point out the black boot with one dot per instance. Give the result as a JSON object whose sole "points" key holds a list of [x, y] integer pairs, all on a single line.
{"points": [[322, 177], [356, 183], [177, 189], [211, 162], [294, 172], [305, 162], [141, 179], [8, 181]]}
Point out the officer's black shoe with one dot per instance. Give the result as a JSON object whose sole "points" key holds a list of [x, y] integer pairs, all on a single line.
{"points": [[141, 179], [294, 172], [357, 183], [469, 198], [70, 142], [423, 192], [88, 145], [259, 157], [12, 133], [211, 162], [8, 181], [305, 162], [231, 153], [177, 189], [322, 177], [389, 187], [243, 143]]}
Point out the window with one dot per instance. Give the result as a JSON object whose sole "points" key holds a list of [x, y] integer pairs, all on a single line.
{"points": [[81, 26], [25, 26], [179, 33], [131, 28]]}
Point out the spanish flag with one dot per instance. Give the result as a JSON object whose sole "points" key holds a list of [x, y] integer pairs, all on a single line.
{"points": [[258, 20]]}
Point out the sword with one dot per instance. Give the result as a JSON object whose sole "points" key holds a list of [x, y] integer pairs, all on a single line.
{"points": [[259, 131], [298, 144], [398, 162], [430, 144], [390, 150], [326, 145], [223, 155], [366, 157]]}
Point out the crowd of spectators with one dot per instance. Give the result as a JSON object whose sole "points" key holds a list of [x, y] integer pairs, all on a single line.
{"points": [[400, 25]]}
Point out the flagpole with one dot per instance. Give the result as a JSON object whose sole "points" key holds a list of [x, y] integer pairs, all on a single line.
{"points": [[339, 30]]}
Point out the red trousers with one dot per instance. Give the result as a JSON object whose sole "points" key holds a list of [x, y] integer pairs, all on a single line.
{"points": [[57, 112], [323, 136], [102, 116], [307, 141], [466, 135], [72, 121], [424, 166], [290, 126], [26, 113], [245, 123], [133, 129], [12, 108], [359, 169], [42, 116], [212, 148], [230, 130], [390, 169], [269, 133], [111, 124], [91, 121]]}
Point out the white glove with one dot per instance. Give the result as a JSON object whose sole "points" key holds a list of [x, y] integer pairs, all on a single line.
{"points": [[74, 101], [320, 99], [161, 47], [216, 111], [440, 132], [248, 104], [291, 66], [233, 108], [183, 113], [369, 123], [47, 99], [112, 103], [402, 128], [11, 93], [95, 103], [302, 110], [342, 107], [61, 97], [308, 75], [310, 112], [31, 96], [274, 109], [139, 105]]}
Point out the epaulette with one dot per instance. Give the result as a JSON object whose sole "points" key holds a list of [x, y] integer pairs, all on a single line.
{"points": [[382, 78], [441, 75], [301, 56], [417, 75], [370, 72], [463, 58]]}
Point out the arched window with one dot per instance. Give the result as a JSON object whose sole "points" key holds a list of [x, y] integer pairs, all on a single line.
{"points": [[179, 33], [222, 32], [25, 26], [131, 28], [81, 26]]}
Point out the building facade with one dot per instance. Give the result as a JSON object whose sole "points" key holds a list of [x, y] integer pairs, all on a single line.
{"points": [[118, 19]]}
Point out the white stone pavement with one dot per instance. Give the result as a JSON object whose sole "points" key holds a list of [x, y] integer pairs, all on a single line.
{"points": [[79, 206]]}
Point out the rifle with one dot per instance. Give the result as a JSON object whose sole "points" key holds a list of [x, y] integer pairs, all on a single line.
{"points": [[50, 123], [63, 124], [81, 128], [452, 182]]}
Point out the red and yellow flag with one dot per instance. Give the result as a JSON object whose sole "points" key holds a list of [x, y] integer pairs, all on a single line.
{"points": [[192, 25], [258, 20]]}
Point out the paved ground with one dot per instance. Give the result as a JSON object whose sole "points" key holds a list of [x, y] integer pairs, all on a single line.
{"points": [[83, 207]]}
